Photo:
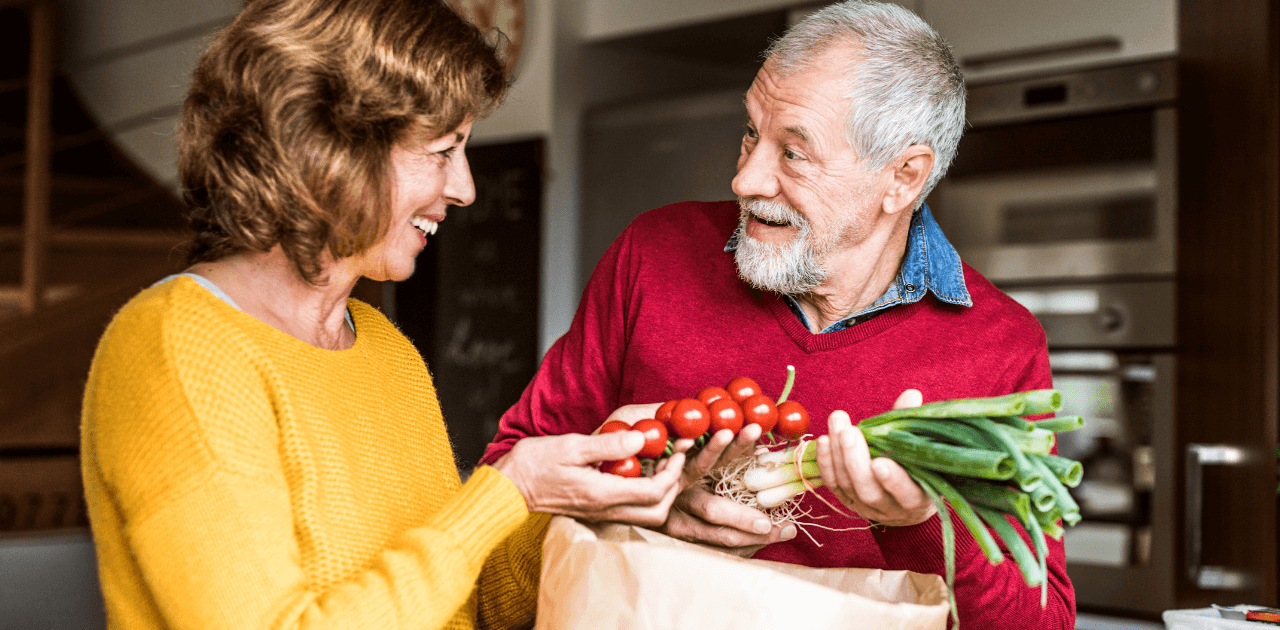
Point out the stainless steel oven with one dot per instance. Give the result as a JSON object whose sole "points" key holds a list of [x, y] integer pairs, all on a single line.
{"points": [[1063, 193], [1111, 352], [1067, 176]]}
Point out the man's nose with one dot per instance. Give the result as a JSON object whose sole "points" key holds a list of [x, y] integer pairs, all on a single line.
{"points": [[756, 175]]}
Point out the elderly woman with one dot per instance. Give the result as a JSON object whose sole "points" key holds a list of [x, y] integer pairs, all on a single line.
{"points": [[262, 451]]}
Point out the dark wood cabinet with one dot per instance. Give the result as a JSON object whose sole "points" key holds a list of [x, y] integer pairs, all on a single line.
{"points": [[1228, 264]]}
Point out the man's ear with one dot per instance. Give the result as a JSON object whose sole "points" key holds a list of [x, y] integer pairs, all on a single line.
{"points": [[909, 173]]}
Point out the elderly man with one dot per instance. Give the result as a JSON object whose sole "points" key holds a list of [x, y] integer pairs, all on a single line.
{"points": [[830, 262]]}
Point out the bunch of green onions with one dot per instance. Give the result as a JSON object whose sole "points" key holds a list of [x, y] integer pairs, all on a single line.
{"points": [[979, 456]]}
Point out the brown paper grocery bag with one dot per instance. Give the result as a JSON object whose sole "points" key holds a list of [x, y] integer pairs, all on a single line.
{"points": [[628, 578]]}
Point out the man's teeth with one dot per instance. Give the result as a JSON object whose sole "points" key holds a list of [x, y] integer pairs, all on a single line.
{"points": [[773, 223], [424, 225]]}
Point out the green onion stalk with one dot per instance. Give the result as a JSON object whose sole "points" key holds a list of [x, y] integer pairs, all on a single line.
{"points": [[980, 457]]}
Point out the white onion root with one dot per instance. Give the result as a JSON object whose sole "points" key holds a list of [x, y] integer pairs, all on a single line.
{"points": [[781, 502]]}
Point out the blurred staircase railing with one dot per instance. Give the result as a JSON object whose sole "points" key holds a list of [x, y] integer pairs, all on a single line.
{"points": [[86, 239], [39, 132]]}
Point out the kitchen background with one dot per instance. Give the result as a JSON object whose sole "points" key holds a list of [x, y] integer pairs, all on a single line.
{"points": [[1121, 178]]}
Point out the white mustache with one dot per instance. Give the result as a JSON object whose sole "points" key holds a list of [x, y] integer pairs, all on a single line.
{"points": [[773, 211]]}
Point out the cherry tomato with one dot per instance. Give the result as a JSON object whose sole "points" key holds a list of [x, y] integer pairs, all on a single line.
{"points": [[793, 420], [725, 414], [655, 437], [663, 414], [759, 410], [629, 467], [613, 426], [742, 388], [690, 418], [712, 394]]}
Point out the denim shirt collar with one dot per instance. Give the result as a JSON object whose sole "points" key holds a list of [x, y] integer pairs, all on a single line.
{"points": [[929, 265]]}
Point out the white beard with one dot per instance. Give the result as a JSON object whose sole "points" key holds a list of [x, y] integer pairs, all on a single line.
{"points": [[794, 268]]}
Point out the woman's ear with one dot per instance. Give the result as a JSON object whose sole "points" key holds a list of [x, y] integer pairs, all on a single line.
{"points": [[910, 172]]}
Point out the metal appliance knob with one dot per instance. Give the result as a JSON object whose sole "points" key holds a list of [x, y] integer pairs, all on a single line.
{"points": [[1110, 319]]}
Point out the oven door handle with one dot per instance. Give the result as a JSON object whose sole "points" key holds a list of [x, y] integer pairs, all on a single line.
{"points": [[1199, 456]]}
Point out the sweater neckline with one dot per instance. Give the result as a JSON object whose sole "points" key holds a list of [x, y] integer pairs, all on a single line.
{"points": [[811, 342], [358, 318]]}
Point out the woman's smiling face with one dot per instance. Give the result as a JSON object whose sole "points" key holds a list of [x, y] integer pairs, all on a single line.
{"points": [[425, 181]]}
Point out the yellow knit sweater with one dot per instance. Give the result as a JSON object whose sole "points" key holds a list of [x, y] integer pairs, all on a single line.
{"points": [[240, 478]]}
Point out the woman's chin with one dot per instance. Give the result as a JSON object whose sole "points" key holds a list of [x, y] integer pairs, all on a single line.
{"points": [[390, 273], [396, 275]]}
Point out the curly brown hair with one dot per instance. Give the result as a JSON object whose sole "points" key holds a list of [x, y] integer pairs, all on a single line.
{"points": [[287, 132]]}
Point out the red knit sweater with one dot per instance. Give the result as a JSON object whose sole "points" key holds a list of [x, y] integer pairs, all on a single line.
{"points": [[665, 315]]}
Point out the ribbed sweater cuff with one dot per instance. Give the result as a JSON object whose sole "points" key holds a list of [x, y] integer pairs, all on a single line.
{"points": [[919, 547], [486, 510]]}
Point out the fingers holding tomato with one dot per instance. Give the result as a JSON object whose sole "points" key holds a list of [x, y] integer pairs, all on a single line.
{"points": [[655, 438]]}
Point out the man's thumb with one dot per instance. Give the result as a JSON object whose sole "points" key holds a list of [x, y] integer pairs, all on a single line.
{"points": [[909, 398]]}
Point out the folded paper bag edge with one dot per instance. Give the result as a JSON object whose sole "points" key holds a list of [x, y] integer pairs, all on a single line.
{"points": [[907, 587], [622, 577]]}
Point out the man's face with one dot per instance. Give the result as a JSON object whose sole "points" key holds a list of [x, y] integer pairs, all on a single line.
{"points": [[807, 203]]}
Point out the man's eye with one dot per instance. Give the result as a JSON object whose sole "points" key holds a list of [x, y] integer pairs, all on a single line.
{"points": [[789, 154], [750, 133]]}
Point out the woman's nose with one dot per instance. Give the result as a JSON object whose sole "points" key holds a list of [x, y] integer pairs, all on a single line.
{"points": [[460, 189]]}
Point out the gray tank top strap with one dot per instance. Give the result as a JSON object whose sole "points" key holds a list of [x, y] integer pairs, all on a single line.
{"points": [[204, 282]]}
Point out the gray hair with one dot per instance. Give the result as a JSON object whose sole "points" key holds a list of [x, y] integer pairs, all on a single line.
{"points": [[904, 84]]}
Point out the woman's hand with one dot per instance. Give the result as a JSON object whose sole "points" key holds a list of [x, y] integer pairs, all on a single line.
{"points": [[555, 474], [878, 490], [700, 516]]}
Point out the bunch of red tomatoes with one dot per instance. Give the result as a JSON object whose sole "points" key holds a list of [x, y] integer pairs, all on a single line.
{"points": [[715, 408]]}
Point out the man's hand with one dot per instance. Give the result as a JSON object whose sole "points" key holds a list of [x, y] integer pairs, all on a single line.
{"points": [[878, 490], [703, 517]]}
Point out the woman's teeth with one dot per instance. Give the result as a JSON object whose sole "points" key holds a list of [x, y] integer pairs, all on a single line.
{"points": [[424, 225]]}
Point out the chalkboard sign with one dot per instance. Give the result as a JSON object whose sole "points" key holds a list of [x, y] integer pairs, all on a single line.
{"points": [[472, 305]]}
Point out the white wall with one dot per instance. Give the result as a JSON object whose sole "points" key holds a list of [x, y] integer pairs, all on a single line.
{"points": [[526, 112], [1034, 36], [613, 18]]}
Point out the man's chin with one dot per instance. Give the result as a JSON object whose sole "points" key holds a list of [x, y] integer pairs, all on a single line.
{"points": [[776, 276]]}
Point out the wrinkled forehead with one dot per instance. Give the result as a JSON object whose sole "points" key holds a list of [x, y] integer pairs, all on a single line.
{"points": [[812, 99]]}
